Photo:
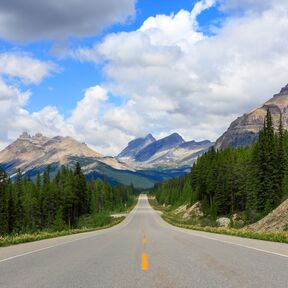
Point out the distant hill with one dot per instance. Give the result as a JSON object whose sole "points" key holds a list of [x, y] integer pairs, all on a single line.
{"points": [[169, 152], [244, 130]]}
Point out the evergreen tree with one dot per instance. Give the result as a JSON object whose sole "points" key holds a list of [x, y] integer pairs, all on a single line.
{"points": [[4, 181]]}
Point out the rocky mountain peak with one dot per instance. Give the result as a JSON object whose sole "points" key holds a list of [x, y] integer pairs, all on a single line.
{"points": [[175, 137], [170, 151], [283, 91], [150, 137], [135, 146], [33, 153], [165, 143], [24, 136], [244, 130]]}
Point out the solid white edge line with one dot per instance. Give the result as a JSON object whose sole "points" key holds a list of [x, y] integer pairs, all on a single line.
{"points": [[236, 244], [75, 240], [192, 232]]}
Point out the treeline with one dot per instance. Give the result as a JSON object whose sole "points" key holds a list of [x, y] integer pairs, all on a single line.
{"points": [[253, 180], [28, 206]]}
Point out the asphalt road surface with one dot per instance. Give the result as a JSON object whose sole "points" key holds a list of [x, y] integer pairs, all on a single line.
{"points": [[145, 251]]}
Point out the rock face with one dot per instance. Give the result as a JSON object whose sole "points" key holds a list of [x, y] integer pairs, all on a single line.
{"points": [[163, 144], [194, 210], [30, 152], [135, 146], [244, 130], [169, 152], [276, 220]]}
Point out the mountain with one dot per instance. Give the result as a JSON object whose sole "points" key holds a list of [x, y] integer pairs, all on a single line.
{"points": [[157, 147], [136, 146], [244, 130], [143, 163], [33, 154], [28, 152], [169, 152]]}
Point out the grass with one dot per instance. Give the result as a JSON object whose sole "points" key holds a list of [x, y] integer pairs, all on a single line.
{"points": [[276, 236], [41, 235]]}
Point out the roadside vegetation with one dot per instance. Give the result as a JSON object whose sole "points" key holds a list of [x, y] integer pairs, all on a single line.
{"points": [[207, 225], [240, 184], [66, 204], [18, 238]]}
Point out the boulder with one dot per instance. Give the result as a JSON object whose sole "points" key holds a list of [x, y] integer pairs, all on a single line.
{"points": [[223, 222]]}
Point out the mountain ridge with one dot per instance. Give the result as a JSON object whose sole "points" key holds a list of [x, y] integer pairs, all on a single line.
{"points": [[244, 130], [32, 154], [170, 151], [136, 145]]}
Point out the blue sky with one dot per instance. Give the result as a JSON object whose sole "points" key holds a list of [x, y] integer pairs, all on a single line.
{"points": [[64, 88], [105, 72]]}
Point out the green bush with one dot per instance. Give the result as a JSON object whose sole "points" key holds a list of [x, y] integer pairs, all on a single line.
{"points": [[95, 220]]}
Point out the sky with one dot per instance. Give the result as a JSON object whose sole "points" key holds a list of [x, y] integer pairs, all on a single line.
{"points": [[106, 72]]}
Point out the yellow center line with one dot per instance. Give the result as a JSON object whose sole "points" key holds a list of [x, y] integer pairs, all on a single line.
{"points": [[144, 240], [144, 254], [144, 261]]}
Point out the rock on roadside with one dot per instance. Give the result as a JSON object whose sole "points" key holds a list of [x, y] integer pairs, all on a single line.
{"points": [[223, 222]]}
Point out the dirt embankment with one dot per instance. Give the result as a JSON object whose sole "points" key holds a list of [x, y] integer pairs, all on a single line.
{"points": [[276, 220]]}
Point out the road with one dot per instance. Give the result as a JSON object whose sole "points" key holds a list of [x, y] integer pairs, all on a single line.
{"points": [[145, 251]]}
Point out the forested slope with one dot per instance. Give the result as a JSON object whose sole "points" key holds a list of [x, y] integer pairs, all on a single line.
{"points": [[58, 203], [251, 181]]}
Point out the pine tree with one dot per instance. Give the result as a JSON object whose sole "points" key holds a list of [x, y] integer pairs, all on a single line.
{"points": [[28, 206], [281, 162], [4, 181], [59, 223]]}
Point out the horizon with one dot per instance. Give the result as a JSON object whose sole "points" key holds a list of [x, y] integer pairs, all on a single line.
{"points": [[142, 67], [38, 134]]}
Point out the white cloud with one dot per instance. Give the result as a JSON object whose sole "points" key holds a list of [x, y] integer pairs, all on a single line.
{"points": [[58, 19], [13, 97], [172, 77], [175, 78], [105, 128], [26, 68], [251, 5], [89, 106]]}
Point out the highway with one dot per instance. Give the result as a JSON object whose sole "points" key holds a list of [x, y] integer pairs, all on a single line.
{"points": [[145, 251]]}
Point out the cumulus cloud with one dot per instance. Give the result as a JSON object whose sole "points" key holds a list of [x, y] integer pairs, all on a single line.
{"points": [[87, 122], [57, 19], [102, 126], [175, 78], [28, 69], [13, 95], [251, 5]]}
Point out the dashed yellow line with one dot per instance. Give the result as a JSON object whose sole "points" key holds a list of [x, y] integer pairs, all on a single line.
{"points": [[144, 240], [144, 261], [144, 254]]}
